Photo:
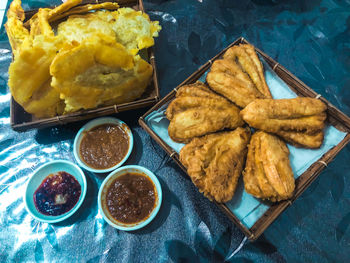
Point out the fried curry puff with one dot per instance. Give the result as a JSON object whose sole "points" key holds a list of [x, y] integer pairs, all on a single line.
{"points": [[268, 174], [299, 121], [239, 76], [86, 61], [197, 111], [215, 161]]}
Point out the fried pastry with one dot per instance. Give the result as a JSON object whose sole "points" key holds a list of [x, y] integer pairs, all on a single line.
{"points": [[299, 121], [215, 161], [239, 76], [101, 72], [83, 62], [197, 111], [268, 174]]}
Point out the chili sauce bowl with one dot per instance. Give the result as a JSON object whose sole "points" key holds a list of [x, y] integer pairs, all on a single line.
{"points": [[40, 175], [91, 125], [102, 197]]}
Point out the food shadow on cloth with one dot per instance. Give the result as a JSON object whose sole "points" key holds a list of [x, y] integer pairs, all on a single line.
{"points": [[137, 151], [57, 133], [169, 200], [68, 131], [89, 203], [297, 213]]}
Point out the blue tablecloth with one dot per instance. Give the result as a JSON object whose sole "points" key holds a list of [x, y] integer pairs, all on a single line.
{"points": [[310, 38]]}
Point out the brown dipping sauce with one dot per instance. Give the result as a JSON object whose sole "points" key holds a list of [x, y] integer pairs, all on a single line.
{"points": [[131, 198], [104, 146], [57, 194]]}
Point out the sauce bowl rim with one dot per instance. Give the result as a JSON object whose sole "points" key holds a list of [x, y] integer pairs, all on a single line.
{"points": [[90, 125], [155, 210], [64, 216]]}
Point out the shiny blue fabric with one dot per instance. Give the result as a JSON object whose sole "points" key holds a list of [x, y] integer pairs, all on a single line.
{"points": [[310, 38]]}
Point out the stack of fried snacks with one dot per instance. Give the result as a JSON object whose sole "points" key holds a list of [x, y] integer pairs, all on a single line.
{"points": [[89, 60], [239, 76], [268, 174], [215, 161], [299, 121], [197, 111]]}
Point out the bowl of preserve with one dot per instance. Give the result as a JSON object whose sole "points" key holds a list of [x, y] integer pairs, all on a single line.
{"points": [[103, 144], [130, 197], [55, 191]]}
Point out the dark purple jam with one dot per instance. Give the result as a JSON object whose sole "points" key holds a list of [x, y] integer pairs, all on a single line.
{"points": [[57, 194]]}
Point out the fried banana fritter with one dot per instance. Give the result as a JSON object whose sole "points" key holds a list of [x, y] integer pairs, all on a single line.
{"points": [[299, 121], [197, 111], [239, 76], [215, 161], [89, 60], [268, 174]]}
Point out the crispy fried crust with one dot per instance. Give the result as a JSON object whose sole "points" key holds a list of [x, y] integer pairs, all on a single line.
{"points": [[105, 72], [299, 121], [214, 162], [268, 174], [14, 26], [239, 76], [197, 111]]}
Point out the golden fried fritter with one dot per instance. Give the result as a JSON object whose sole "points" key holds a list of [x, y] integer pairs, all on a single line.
{"points": [[299, 121], [197, 111], [239, 76], [101, 72], [302, 139], [268, 174], [46, 80], [215, 161], [15, 30], [251, 64], [29, 74]]}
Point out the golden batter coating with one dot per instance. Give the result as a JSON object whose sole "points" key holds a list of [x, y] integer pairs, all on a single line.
{"points": [[198, 111], [239, 76], [84, 62], [299, 121], [268, 174], [215, 161]]}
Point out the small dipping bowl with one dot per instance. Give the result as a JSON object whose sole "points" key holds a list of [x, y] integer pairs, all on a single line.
{"points": [[107, 183], [89, 126], [37, 178]]}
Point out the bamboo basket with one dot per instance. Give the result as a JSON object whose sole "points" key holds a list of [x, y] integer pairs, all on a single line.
{"points": [[22, 121], [335, 117]]}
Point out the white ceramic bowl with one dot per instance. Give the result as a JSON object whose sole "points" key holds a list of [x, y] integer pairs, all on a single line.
{"points": [[90, 125], [37, 178], [103, 191]]}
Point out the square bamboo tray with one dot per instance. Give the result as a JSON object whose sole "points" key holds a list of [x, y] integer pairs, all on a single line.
{"points": [[21, 120], [335, 117]]}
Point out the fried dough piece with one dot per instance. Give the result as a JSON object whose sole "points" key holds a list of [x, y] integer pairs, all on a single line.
{"points": [[251, 64], [239, 76], [29, 75], [215, 161], [40, 77], [299, 121], [198, 111], [268, 174], [227, 79], [192, 94], [15, 30], [101, 72], [133, 29], [302, 139]]}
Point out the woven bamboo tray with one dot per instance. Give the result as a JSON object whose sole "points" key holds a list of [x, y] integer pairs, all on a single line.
{"points": [[21, 120], [335, 117]]}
